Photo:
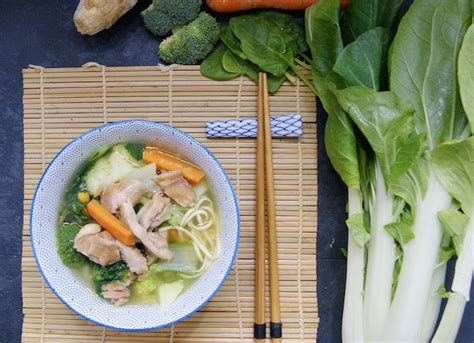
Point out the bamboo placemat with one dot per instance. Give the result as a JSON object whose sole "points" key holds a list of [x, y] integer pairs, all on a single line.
{"points": [[61, 103]]}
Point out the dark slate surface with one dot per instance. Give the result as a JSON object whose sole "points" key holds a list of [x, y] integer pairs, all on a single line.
{"points": [[42, 33]]}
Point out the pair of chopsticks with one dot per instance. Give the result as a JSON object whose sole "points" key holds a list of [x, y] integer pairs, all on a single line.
{"points": [[265, 173]]}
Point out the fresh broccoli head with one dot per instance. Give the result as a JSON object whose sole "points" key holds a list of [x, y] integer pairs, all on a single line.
{"points": [[193, 42], [163, 15], [65, 245]]}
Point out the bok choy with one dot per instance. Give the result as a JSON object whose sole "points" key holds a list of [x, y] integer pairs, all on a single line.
{"points": [[398, 121]]}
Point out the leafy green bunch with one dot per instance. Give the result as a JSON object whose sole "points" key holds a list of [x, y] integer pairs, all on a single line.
{"points": [[268, 41]]}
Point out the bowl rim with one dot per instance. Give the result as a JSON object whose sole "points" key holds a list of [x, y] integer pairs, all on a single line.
{"points": [[168, 128]]}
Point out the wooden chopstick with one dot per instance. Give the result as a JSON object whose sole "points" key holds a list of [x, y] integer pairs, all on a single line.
{"points": [[275, 322], [259, 315]]}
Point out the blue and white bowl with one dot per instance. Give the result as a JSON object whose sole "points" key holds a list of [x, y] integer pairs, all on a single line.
{"points": [[48, 200]]}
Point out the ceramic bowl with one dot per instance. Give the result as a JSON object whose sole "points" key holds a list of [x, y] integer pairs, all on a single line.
{"points": [[48, 199]]}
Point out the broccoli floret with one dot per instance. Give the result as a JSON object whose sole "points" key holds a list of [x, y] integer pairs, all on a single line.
{"points": [[163, 15], [65, 245], [102, 275], [175, 215], [146, 284], [193, 42]]}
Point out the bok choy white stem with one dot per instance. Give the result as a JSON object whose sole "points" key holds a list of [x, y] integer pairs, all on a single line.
{"points": [[434, 304], [381, 260], [405, 319], [453, 163], [352, 327]]}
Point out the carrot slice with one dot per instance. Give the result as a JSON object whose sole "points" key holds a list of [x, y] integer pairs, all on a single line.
{"points": [[173, 235], [108, 221], [166, 162]]}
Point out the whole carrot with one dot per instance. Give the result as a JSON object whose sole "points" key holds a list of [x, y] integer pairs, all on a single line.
{"points": [[242, 5]]}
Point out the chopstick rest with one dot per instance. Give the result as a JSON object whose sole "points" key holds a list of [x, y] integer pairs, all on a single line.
{"points": [[287, 125]]}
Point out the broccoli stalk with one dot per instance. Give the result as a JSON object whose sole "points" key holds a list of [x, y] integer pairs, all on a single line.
{"points": [[163, 15], [193, 42]]}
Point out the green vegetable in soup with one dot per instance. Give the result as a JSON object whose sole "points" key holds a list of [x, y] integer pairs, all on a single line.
{"points": [[175, 215], [65, 245], [168, 292], [145, 285], [117, 271], [112, 167], [74, 207], [184, 260], [135, 150]]}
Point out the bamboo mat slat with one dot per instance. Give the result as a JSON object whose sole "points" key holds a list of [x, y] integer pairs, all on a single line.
{"points": [[61, 103]]}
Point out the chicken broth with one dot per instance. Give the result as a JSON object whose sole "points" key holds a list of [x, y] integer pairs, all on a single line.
{"points": [[138, 225]]}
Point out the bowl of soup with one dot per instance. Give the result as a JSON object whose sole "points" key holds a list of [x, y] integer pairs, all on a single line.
{"points": [[134, 225]]}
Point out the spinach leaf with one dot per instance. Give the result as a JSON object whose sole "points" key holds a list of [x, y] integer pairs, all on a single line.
{"points": [[423, 57], [212, 67], [361, 61], [265, 45], [388, 125], [74, 208], [135, 150], [231, 41], [272, 41], [364, 15], [466, 75], [234, 64], [287, 25]]}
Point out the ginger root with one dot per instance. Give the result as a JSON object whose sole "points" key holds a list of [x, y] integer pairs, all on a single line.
{"points": [[93, 16]]}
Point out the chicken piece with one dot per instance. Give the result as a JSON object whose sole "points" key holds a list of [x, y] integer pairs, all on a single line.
{"points": [[160, 242], [134, 259], [176, 187], [116, 292], [100, 247], [156, 211], [115, 194], [153, 244]]}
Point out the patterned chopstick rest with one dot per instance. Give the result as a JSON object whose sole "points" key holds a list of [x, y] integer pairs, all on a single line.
{"points": [[287, 125]]}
